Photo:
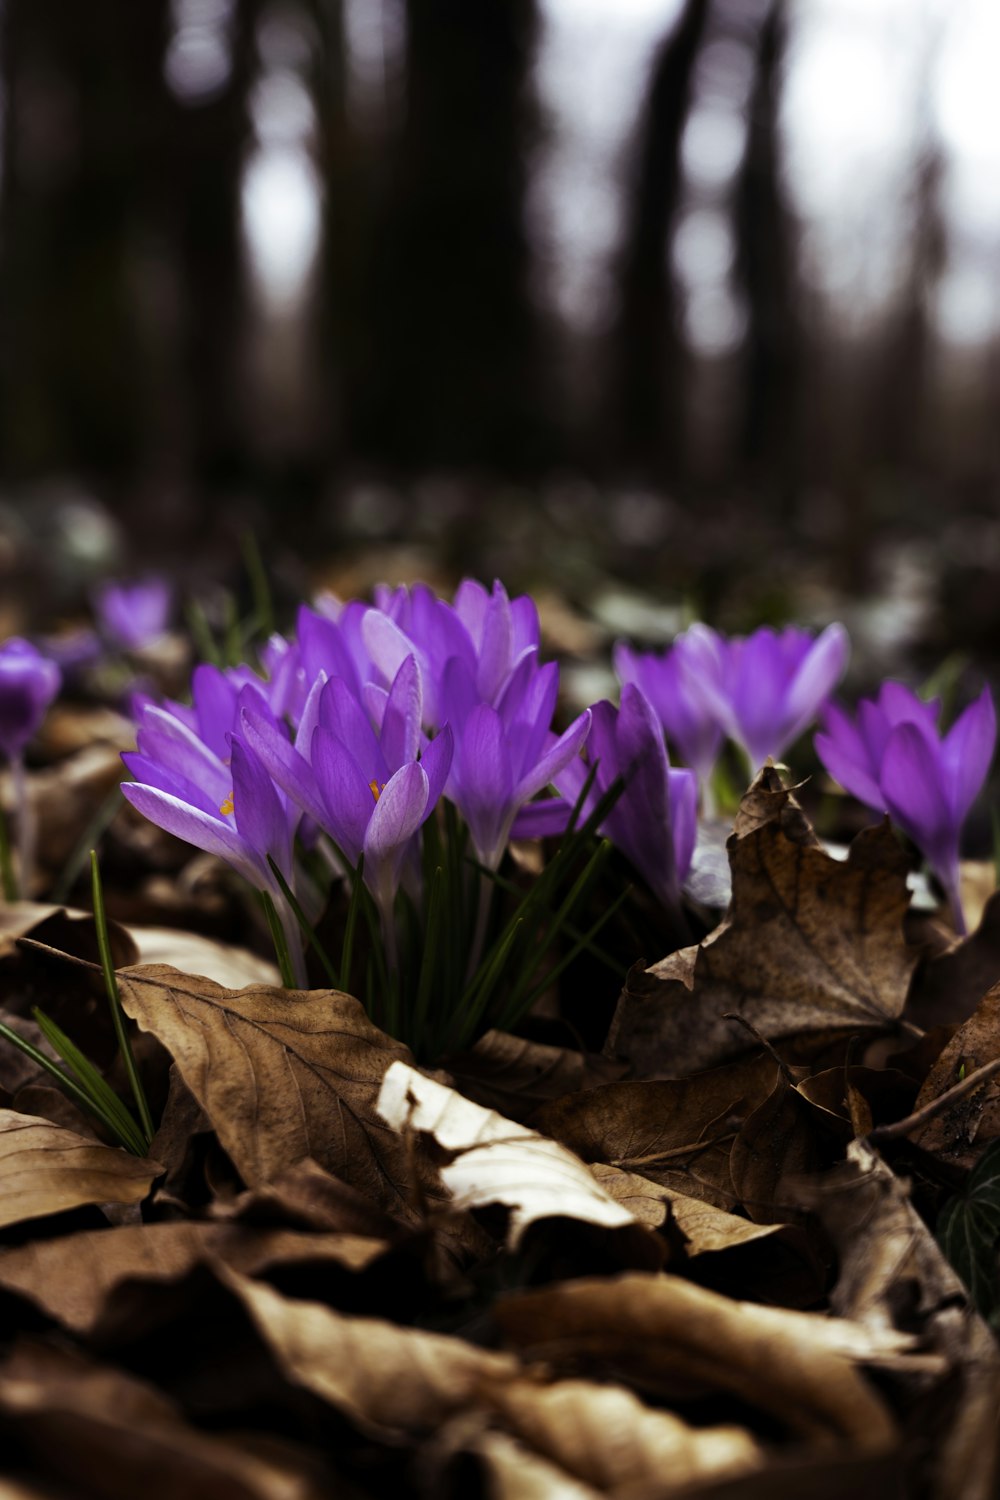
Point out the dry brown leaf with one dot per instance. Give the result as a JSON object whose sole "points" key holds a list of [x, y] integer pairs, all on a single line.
{"points": [[193, 954], [389, 1381], [604, 1436], [74, 1277], [514, 1472], [45, 1169], [667, 1333], [497, 1160], [891, 1272], [948, 986], [80, 1420], [677, 1132], [959, 1134], [706, 1229], [307, 1197], [281, 1074], [777, 1140], [812, 948], [514, 1076]]}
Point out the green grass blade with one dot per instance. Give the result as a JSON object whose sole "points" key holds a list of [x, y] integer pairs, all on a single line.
{"points": [[114, 1000], [279, 940], [263, 602], [103, 1102], [70, 1085]]}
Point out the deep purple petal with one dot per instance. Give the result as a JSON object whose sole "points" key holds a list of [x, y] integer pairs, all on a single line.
{"points": [[540, 820], [483, 781], [258, 809], [436, 761], [818, 674], [214, 698], [548, 767], [682, 790], [283, 762], [496, 646], [163, 737], [153, 773], [349, 799], [343, 716], [912, 786], [838, 756]]}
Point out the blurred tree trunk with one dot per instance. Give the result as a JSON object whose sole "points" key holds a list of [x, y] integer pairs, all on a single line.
{"points": [[775, 370], [648, 355], [82, 84], [451, 373]]}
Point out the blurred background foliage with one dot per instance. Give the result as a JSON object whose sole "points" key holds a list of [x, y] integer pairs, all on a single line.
{"points": [[699, 295]]}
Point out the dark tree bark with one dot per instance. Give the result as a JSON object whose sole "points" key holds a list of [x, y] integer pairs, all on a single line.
{"points": [[451, 360], [647, 347], [772, 441]]}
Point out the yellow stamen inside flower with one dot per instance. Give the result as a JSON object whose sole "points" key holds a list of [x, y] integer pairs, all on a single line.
{"points": [[228, 806], [376, 788]]}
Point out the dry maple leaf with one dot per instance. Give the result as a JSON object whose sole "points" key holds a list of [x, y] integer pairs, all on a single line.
{"points": [[812, 947], [281, 1075]]}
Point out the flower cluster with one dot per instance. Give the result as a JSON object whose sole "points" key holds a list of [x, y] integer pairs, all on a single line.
{"points": [[337, 753], [762, 691]]}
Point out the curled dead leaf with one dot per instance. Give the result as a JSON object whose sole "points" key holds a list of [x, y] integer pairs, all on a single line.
{"points": [[666, 1333], [495, 1160], [812, 949]]}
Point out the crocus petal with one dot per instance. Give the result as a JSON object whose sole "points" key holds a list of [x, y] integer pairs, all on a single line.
{"points": [[342, 714], [912, 785], [385, 643], [483, 782], [398, 813], [197, 828], [283, 762], [214, 698], [496, 647], [682, 787], [967, 752], [164, 738], [436, 761], [400, 738], [542, 820], [853, 776], [152, 773], [545, 771], [260, 814], [323, 649], [348, 798], [816, 678]]}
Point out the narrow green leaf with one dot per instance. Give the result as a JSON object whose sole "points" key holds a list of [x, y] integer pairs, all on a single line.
{"points": [[103, 1102], [114, 1000], [308, 930], [279, 940]]}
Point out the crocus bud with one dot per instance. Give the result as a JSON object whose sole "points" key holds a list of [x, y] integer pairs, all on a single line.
{"points": [[28, 683]]}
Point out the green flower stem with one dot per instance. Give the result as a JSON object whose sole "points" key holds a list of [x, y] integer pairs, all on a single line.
{"points": [[7, 875], [25, 826]]}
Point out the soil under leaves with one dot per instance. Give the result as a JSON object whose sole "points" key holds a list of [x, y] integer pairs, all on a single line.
{"points": [[701, 1264]]}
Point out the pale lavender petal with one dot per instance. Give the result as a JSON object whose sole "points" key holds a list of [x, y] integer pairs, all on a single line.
{"points": [[967, 753], [310, 716], [398, 813], [153, 773], [821, 669], [386, 644], [527, 630], [471, 603], [558, 756], [197, 828], [400, 738], [163, 737], [496, 646]]}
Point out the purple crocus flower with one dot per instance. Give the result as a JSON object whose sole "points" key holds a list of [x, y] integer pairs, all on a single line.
{"points": [[364, 786], [668, 681], [654, 821], [489, 633], [210, 789], [894, 759], [505, 756], [134, 615], [28, 683], [765, 689]]}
